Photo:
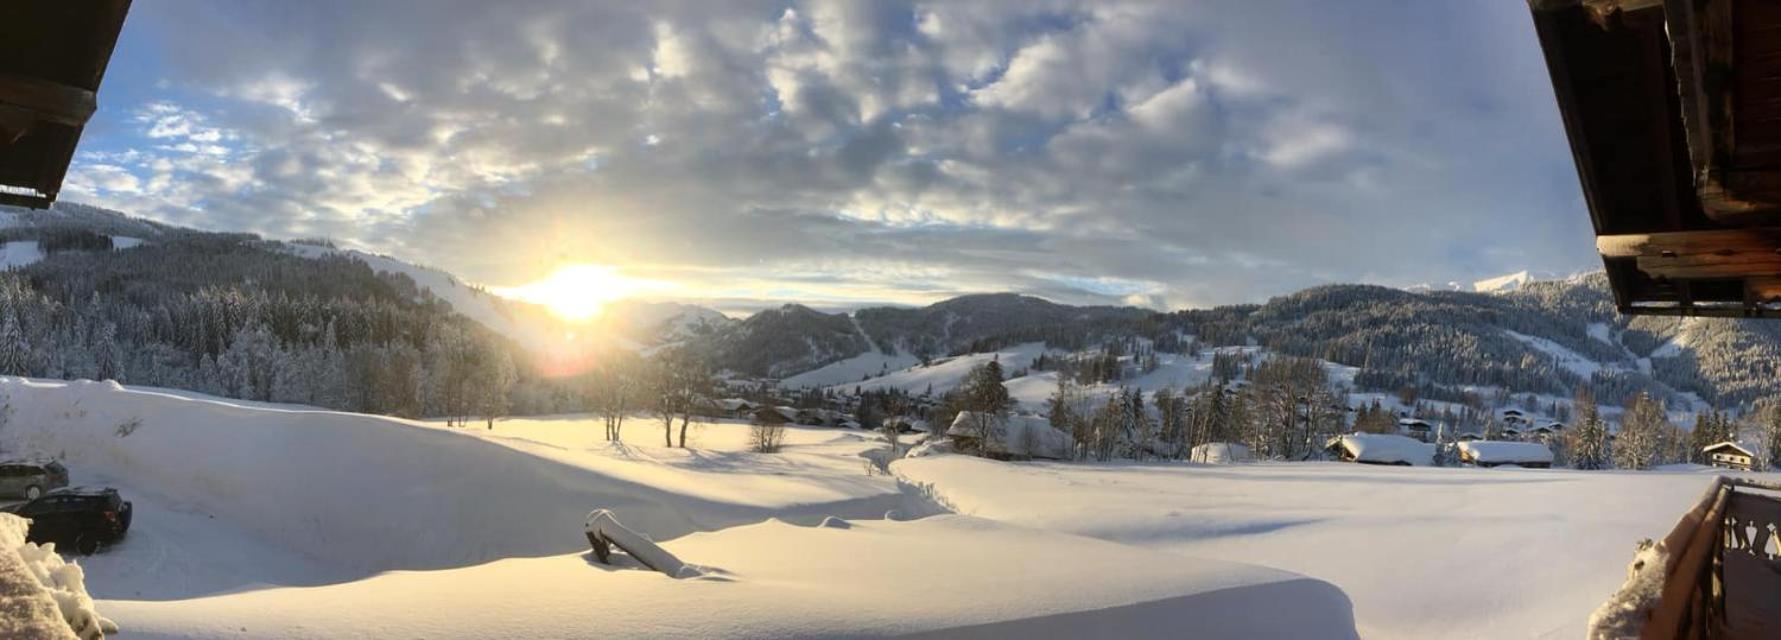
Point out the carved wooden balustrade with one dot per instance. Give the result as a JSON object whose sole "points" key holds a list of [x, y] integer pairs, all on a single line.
{"points": [[1723, 569]]}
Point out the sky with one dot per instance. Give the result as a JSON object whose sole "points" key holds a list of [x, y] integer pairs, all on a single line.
{"points": [[1163, 154]]}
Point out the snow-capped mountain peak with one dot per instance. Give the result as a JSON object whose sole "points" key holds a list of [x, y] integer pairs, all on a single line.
{"points": [[1508, 282]]}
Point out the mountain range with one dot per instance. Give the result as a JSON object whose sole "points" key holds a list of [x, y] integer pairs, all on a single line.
{"points": [[1520, 335]]}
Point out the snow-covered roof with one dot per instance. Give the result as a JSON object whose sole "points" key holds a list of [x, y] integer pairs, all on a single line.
{"points": [[1030, 436], [735, 404], [1386, 448], [1730, 444], [1498, 452], [1413, 422]]}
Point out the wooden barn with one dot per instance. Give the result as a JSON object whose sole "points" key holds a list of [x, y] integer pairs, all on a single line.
{"points": [[1730, 455], [1673, 113], [1415, 428]]}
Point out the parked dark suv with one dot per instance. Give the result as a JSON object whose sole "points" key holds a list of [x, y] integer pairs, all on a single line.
{"points": [[81, 518], [29, 479]]}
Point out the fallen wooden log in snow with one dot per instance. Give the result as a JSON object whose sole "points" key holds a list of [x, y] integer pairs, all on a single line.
{"points": [[604, 532]]}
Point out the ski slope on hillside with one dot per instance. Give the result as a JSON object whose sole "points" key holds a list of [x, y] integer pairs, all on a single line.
{"points": [[1033, 390], [857, 369], [1563, 356], [19, 254], [944, 374]]}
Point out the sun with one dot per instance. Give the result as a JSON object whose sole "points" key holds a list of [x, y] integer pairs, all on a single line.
{"points": [[578, 292]]}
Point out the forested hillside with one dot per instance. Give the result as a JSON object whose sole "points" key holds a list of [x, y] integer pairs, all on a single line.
{"points": [[1547, 337], [237, 316]]}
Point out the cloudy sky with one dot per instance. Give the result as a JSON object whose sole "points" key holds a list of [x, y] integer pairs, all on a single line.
{"points": [[1166, 154]]}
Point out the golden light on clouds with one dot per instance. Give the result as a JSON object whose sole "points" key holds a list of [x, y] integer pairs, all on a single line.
{"points": [[578, 292]]}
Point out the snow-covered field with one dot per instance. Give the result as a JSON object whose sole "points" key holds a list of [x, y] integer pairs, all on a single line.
{"points": [[273, 521], [1421, 552]]}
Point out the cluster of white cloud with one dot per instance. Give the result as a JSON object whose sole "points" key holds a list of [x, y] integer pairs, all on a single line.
{"points": [[1165, 154]]}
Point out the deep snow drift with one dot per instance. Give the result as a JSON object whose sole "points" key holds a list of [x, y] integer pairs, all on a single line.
{"points": [[368, 493], [873, 578], [283, 522], [41, 596], [1422, 552]]}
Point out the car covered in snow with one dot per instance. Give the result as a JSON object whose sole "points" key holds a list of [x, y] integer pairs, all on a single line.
{"points": [[82, 518], [29, 479]]}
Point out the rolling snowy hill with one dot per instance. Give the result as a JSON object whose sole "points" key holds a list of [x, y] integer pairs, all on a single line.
{"points": [[288, 522]]}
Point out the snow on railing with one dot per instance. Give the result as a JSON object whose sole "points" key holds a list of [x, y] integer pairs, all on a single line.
{"points": [[1678, 587]]}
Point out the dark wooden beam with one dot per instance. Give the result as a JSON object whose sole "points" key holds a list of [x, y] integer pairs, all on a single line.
{"points": [[1681, 255], [58, 103]]}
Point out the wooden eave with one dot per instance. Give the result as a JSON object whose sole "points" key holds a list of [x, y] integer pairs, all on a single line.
{"points": [[52, 57], [1673, 112]]}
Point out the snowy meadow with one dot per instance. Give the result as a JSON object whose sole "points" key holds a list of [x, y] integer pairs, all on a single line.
{"points": [[278, 521]]}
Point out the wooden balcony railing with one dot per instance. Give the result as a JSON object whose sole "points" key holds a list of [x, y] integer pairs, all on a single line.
{"points": [[1721, 574]]}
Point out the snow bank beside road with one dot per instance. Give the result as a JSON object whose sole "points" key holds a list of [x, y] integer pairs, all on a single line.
{"points": [[42, 597]]}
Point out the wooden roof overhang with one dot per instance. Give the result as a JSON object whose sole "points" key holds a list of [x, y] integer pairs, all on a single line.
{"points": [[52, 55], [1673, 110]]}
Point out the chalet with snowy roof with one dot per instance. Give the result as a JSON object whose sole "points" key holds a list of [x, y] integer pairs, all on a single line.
{"points": [[1496, 453], [1378, 448], [1011, 437], [825, 418], [1415, 428], [1469, 436], [1730, 455], [736, 407], [1512, 433], [775, 415]]}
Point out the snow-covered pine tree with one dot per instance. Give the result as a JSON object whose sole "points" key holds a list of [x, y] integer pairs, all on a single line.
{"points": [[1641, 433], [1589, 438]]}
